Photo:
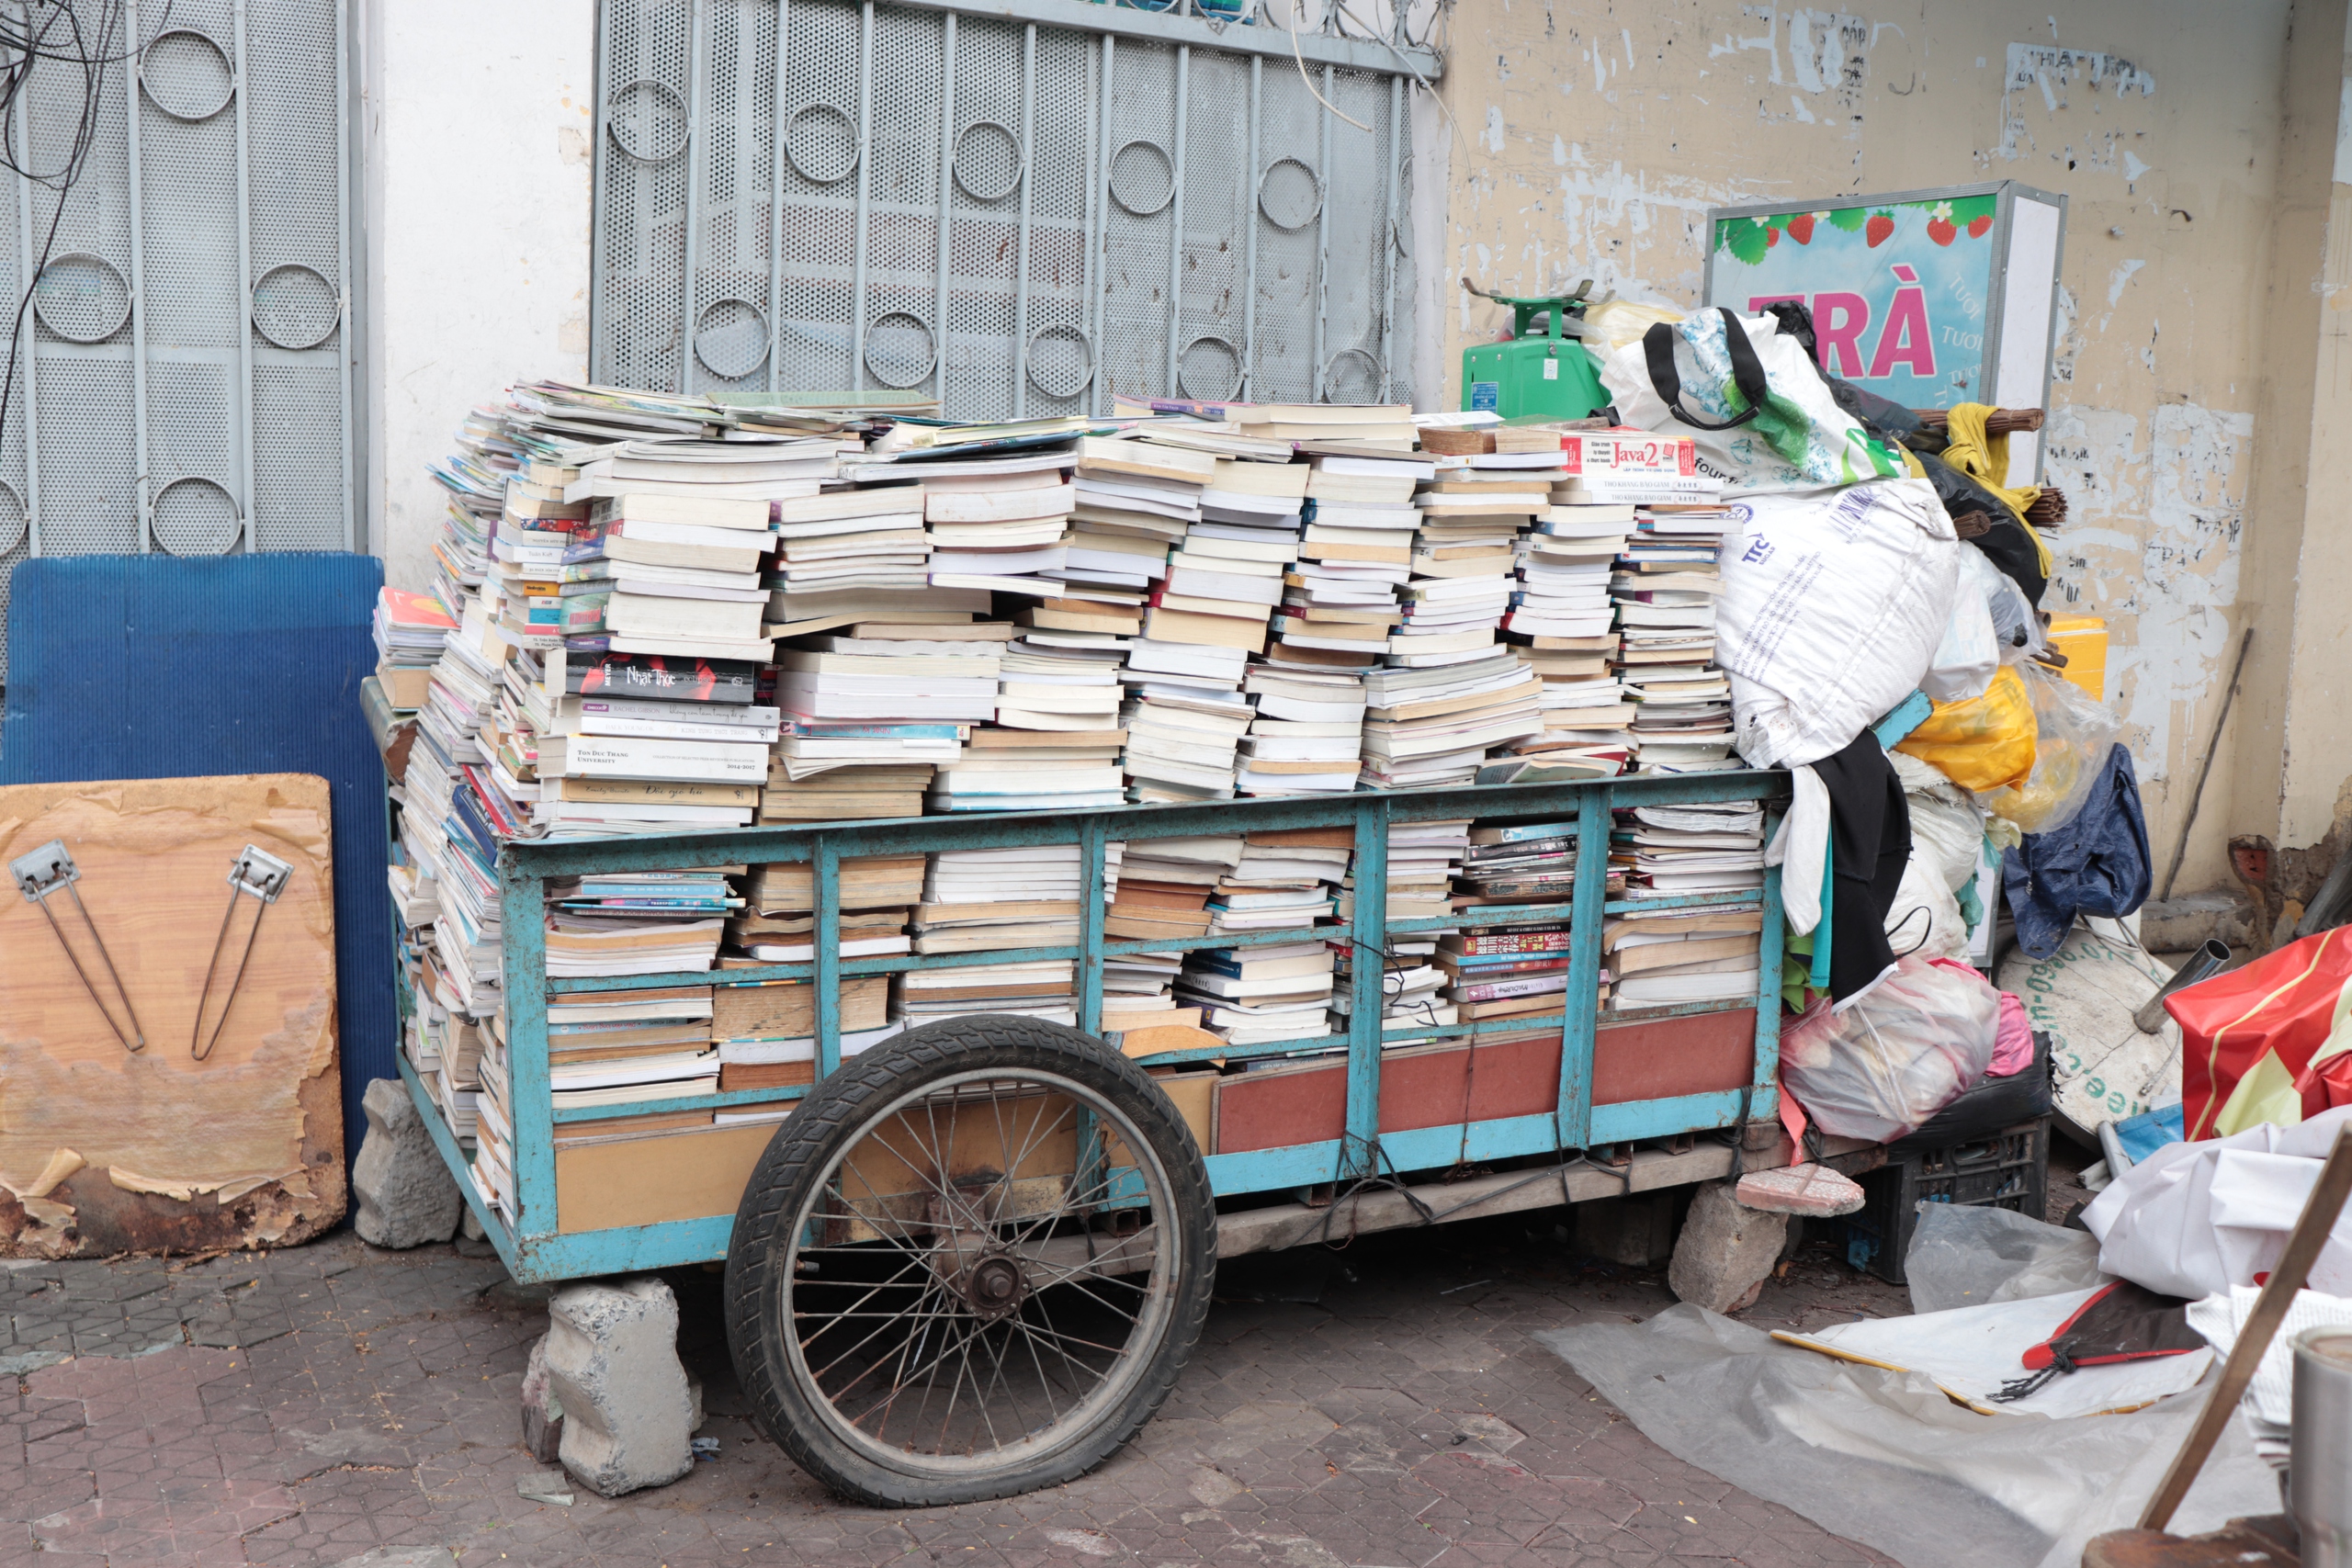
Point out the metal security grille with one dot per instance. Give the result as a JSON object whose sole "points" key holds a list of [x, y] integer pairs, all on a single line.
{"points": [[1022, 206], [183, 377]]}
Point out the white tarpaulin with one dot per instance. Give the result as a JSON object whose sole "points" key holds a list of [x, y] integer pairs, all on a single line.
{"points": [[2194, 1219]]}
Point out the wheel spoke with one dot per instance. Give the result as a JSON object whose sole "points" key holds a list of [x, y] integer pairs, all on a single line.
{"points": [[894, 1341]]}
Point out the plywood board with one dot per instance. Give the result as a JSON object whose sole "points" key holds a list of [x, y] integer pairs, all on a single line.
{"points": [[656, 1176], [104, 1150]]}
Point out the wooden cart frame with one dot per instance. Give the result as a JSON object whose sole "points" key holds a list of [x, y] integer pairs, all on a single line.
{"points": [[1635, 1051]]}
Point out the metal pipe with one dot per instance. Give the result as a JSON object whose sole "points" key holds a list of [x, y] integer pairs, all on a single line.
{"points": [[1322, 235], [1098, 237], [1368, 960], [1176, 218], [1092, 875], [141, 497], [345, 352], [946, 185], [28, 210], [1250, 246], [2246, 642], [775, 197], [1385, 272], [865, 183], [1021, 246], [599, 237], [244, 288], [825, 869], [2208, 961], [696, 26]]}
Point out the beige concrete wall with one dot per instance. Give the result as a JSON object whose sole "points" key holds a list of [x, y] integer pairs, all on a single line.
{"points": [[477, 206], [1589, 140]]}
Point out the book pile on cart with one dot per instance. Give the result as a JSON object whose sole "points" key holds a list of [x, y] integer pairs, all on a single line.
{"points": [[657, 614]]}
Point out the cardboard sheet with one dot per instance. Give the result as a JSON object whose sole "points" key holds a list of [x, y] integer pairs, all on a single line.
{"points": [[104, 1150]]}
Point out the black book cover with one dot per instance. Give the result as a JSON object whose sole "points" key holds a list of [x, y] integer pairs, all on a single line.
{"points": [[667, 678]]}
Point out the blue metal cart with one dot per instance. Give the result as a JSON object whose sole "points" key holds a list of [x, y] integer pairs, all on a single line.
{"points": [[975, 1257]]}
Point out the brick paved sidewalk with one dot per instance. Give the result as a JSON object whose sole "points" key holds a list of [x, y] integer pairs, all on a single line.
{"points": [[309, 1406]]}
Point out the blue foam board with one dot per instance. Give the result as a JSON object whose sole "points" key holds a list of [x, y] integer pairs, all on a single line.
{"points": [[153, 667]]}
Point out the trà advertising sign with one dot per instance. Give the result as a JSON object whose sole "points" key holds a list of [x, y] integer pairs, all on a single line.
{"points": [[1898, 287]]}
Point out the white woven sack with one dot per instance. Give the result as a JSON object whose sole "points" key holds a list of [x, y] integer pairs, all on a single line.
{"points": [[1832, 607]]}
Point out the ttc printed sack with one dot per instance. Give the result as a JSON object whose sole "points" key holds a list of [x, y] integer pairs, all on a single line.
{"points": [[1753, 401], [1983, 744], [2249, 1038], [1897, 1054], [1831, 606]]}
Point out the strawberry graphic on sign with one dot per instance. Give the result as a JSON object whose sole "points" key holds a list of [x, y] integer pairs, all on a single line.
{"points": [[1801, 227], [1979, 224], [1879, 230], [1941, 228]]}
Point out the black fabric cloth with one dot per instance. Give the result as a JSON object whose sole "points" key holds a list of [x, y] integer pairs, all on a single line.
{"points": [[1869, 844], [2008, 544], [2123, 1323]]}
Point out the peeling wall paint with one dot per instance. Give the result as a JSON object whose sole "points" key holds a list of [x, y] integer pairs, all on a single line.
{"points": [[2161, 122]]}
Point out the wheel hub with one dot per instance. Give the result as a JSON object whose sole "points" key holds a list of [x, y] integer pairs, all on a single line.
{"points": [[994, 1287]]}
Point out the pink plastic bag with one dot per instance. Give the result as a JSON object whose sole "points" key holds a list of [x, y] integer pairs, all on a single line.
{"points": [[1898, 1053], [2013, 1047]]}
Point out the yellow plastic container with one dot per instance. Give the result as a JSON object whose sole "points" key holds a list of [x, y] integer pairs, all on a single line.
{"points": [[2083, 639]]}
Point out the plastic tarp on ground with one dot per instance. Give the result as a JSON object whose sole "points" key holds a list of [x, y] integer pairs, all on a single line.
{"points": [[2194, 1219], [1884, 1458]]}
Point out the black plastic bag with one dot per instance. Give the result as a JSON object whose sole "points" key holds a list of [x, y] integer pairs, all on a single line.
{"points": [[2003, 539]]}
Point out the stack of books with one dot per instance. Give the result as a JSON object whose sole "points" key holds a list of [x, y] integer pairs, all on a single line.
{"points": [[872, 709], [475, 477], [1055, 743], [1185, 713], [642, 744], [1433, 726], [1263, 995], [410, 631], [1665, 587], [858, 546], [991, 900], [999, 525], [1669, 851], [1668, 957]]}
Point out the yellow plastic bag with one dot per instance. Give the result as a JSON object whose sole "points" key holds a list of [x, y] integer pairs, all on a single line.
{"points": [[2072, 738], [1984, 743]]}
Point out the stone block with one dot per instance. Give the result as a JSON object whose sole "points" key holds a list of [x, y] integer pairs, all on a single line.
{"points": [[542, 1412], [406, 1196], [1636, 1232], [402, 1557], [1725, 1251], [1800, 1190], [612, 1357]]}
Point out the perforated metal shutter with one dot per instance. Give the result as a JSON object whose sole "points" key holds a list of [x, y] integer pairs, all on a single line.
{"points": [[184, 376], [1023, 207]]}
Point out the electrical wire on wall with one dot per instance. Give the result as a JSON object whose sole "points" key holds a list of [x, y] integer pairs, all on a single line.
{"points": [[82, 40]]}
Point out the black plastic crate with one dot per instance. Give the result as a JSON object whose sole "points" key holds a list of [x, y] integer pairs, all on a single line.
{"points": [[2009, 1170]]}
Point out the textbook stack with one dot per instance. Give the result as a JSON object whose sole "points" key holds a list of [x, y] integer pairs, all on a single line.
{"points": [[475, 477], [1164, 889], [1185, 713], [871, 710], [849, 551], [1647, 488], [641, 742], [1672, 851], [1519, 967], [1445, 692], [408, 630], [985, 900], [1000, 524], [1056, 740]]}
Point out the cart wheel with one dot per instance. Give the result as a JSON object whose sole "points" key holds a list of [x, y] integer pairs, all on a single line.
{"points": [[971, 1264]]}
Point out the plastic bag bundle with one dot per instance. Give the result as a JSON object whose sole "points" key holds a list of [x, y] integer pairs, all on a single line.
{"points": [[1970, 654], [1984, 744], [2072, 738], [1898, 1053]]}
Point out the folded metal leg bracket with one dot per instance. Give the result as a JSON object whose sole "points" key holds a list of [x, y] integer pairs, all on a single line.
{"points": [[42, 873], [265, 877]]}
